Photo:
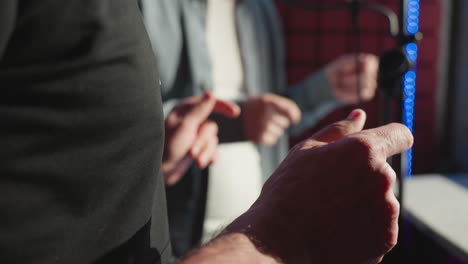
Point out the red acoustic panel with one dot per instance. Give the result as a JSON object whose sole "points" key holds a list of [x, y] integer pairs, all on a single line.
{"points": [[315, 38]]}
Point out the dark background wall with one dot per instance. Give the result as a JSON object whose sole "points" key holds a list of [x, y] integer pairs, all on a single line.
{"points": [[315, 38], [459, 142]]}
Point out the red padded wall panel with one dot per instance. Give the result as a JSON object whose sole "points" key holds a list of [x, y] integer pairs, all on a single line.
{"points": [[315, 38]]}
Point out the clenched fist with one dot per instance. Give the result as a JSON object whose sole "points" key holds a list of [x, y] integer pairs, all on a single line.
{"points": [[343, 74]]}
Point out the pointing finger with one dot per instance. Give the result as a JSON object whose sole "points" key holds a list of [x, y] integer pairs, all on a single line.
{"points": [[390, 139], [201, 110], [226, 108]]}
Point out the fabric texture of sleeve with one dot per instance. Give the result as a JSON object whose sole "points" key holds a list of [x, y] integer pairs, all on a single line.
{"points": [[8, 10], [312, 92], [315, 98]]}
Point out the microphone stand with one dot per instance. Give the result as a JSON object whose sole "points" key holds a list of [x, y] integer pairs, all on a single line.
{"points": [[394, 67], [354, 6], [394, 63], [393, 26], [393, 73]]}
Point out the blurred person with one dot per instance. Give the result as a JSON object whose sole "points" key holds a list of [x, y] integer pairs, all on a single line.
{"points": [[81, 148], [235, 49]]}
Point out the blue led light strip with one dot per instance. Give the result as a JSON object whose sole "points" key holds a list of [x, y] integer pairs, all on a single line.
{"points": [[409, 80]]}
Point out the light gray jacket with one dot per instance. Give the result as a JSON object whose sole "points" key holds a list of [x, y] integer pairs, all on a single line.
{"points": [[177, 32]]}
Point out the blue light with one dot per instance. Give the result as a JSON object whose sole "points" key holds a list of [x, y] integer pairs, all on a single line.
{"points": [[409, 160], [409, 90], [412, 17], [409, 80]]}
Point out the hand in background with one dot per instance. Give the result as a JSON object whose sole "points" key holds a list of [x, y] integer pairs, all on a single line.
{"points": [[331, 200], [190, 136], [342, 74], [265, 117]]}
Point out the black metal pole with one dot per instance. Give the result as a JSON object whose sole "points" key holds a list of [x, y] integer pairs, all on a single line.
{"points": [[400, 163], [356, 39]]}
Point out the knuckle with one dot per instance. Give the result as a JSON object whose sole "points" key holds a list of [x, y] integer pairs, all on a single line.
{"points": [[362, 146], [387, 235], [393, 208], [268, 139], [368, 150], [390, 177], [341, 127], [390, 243], [396, 207]]}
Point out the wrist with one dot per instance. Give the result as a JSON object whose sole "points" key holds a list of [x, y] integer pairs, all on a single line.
{"points": [[271, 235], [229, 248]]}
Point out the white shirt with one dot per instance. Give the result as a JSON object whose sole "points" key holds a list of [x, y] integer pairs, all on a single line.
{"points": [[235, 178]]}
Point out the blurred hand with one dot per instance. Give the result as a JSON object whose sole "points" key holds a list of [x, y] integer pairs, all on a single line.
{"points": [[265, 117], [190, 136], [331, 200], [342, 74]]}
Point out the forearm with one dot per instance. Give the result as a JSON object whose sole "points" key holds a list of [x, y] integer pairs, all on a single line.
{"points": [[230, 248]]}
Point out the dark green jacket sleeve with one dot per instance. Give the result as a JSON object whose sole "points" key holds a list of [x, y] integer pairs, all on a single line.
{"points": [[7, 23]]}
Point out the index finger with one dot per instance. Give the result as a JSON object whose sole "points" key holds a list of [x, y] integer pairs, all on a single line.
{"points": [[391, 139], [203, 107], [352, 124], [226, 108]]}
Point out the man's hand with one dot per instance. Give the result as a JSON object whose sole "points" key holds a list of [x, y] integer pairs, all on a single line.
{"points": [[342, 74], [265, 117], [331, 200], [190, 136]]}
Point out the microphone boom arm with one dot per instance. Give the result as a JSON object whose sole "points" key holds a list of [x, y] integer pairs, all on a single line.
{"points": [[393, 28]]}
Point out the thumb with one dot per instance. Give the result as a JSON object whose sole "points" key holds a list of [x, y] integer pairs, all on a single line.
{"points": [[352, 124]]}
